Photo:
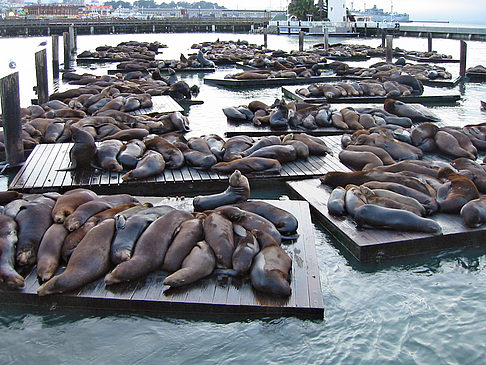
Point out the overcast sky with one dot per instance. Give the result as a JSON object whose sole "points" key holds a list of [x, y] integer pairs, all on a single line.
{"points": [[455, 11]]}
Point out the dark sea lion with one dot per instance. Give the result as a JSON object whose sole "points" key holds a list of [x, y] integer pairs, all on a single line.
{"points": [[150, 249], [49, 253], [199, 144], [235, 145], [421, 133], [72, 239], [360, 160], [374, 216], [249, 221], [130, 153], [300, 148], [463, 140], [387, 202], [248, 165], [398, 150], [174, 158], [196, 159], [198, 264], [128, 134], [246, 249], [188, 235], [452, 195], [353, 199], [90, 261], [237, 191], [8, 239], [9, 196], [474, 212], [53, 132], [69, 201], [449, 145], [336, 203], [33, 221], [83, 151], [477, 171], [216, 144], [234, 115], [129, 229], [218, 233], [378, 151], [270, 271], [65, 113], [281, 153], [316, 145], [285, 222], [401, 201], [262, 142], [280, 115], [107, 153], [419, 167], [416, 112], [88, 209], [151, 164], [180, 122]]}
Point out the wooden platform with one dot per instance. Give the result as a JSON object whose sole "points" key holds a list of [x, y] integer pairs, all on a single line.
{"points": [[166, 70], [476, 76], [430, 60], [429, 97], [251, 130], [375, 245], [39, 173], [213, 295], [91, 60], [232, 83], [161, 104]]}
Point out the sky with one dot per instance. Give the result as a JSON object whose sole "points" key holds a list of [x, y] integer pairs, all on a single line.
{"points": [[454, 11]]}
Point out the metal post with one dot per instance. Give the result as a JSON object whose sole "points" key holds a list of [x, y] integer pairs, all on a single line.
{"points": [[326, 39], [429, 42], [462, 61], [12, 126], [389, 48], [41, 75], [55, 56], [301, 41]]}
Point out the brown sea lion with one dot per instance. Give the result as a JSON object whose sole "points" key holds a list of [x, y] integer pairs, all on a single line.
{"points": [[188, 235], [316, 145], [198, 264], [463, 140], [370, 194], [374, 216], [388, 202], [8, 239], [67, 203], [420, 167], [150, 249], [8, 196], [173, 157], [49, 253], [128, 134], [246, 249], [353, 199], [281, 153], [107, 153], [416, 112], [262, 142], [378, 151], [474, 212], [360, 160], [477, 171], [398, 150], [235, 145], [90, 261], [248, 165], [151, 164], [456, 192], [83, 150], [449, 145], [218, 233], [196, 159], [237, 191], [422, 134], [270, 270]]}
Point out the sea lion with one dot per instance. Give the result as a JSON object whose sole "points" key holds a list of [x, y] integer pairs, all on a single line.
{"points": [[248, 165], [49, 253], [416, 112], [218, 233], [378, 151], [300, 148], [246, 249], [336, 203], [33, 221], [199, 144], [53, 132], [477, 171], [453, 194], [281, 153], [173, 157], [8, 239], [9, 196], [129, 227], [69, 201], [130, 153], [237, 191], [106, 155], [188, 235], [398, 150], [353, 199], [474, 212], [127, 134], [249, 221], [388, 201], [196, 159], [285, 222], [83, 150], [360, 160], [463, 140], [422, 134], [419, 167], [216, 144], [270, 270], [449, 145], [262, 142], [150, 249], [374, 216], [316, 145], [280, 115], [235, 145], [370, 194], [198, 264], [90, 261], [151, 164]]}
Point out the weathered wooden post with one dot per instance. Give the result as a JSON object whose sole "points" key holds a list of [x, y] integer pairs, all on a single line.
{"points": [[12, 127], [326, 39], [55, 56], [72, 39], [389, 48], [301, 41], [41, 75], [67, 50], [265, 37], [383, 37], [462, 60], [429, 42]]}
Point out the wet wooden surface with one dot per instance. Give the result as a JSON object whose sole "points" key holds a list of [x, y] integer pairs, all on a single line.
{"points": [[215, 294]]}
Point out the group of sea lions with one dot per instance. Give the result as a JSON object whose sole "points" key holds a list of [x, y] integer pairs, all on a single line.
{"points": [[117, 237], [125, 51]]}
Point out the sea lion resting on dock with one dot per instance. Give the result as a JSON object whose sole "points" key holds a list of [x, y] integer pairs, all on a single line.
{"points": [[83, 150], [237, 191], [455, 193], [249, 165], [8, 239], [67, 203], [49, 253], [474, 212]]}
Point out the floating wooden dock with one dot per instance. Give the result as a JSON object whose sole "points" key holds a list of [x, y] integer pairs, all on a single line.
{"points": [[211, 296], [233, 83], [429, 59], [375, 245], [430, 97], [476, 76], [39, 174], [251, 130]]}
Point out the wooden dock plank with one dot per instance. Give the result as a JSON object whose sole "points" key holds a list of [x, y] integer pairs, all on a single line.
{"points": [[217, 293]]}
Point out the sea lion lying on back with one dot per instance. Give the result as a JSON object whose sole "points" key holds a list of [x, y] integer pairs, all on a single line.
{"points": [[237, 191]]}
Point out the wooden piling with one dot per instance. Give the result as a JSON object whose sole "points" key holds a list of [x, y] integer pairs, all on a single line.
{"points": [[383, 37], [265, 37], [55, 56], [41, 75], [72, 39], [389, 48], [326, 39], [301, 41], [12, 126], [429, 42], [67, 50], [462, 61]]}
